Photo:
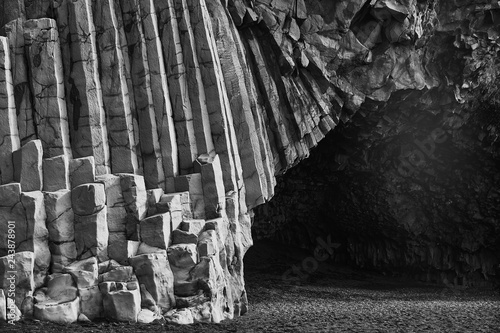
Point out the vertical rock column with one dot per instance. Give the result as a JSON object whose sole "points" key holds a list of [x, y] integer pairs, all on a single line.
{"points": [[87, 121], [47, 85], [243, 121], [115, 92], [161, 95], [178, 85], [8, 120], [15, 33], [35, 234], [219, 109], [142, 81], [195, 83]]}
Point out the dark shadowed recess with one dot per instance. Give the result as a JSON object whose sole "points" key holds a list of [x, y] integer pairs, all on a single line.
{"points": [[411, 187]]}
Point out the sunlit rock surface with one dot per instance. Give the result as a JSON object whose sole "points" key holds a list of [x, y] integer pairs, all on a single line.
{"points": [[140, 135]]}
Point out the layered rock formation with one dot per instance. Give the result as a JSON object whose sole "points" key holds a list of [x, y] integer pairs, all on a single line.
{"points": [[139, 135]]}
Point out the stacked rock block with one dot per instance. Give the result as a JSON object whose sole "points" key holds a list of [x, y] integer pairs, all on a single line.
{"points": [[87, 246]]}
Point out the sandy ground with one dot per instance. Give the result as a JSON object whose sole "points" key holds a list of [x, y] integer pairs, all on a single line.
{"points": [[330, 299]]}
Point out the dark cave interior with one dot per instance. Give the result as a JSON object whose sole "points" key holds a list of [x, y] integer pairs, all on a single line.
{"points": [[411, 187]]}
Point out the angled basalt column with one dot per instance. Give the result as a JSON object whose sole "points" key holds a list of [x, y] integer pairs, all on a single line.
{"points": [[115, 94], [305, 112], [154, 174], [276, 109], [178, 86], [87, 121], [194, 80], [47, 86], [243, 121], [328, 102], [274, 81], [261, 122], [218, 107], [159, 87], [39, 8], [15, 33], [8, 119]]}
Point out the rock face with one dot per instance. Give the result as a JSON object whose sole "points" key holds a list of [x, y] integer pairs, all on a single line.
{"points": [[139, 135]]}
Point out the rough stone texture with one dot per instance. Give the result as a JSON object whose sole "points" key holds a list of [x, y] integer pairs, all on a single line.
{"points": [[14, 31], [56, 173], [35, 238], [91, 234], [193, 184], [213, 185], [8, 120], [87, 120], [116, 97], [3, 306], [153, 271], [215, 98], [88, 199], [63, 313], [47, 86], [31, 166], [23, 265], [60, 216], [81, 171], [155, 230], [120, 303]]}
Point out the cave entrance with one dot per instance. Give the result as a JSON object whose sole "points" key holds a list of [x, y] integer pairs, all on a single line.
{"points": [[391, 191]]}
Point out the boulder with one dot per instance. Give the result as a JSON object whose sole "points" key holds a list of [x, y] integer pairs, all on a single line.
{"points": [[62, 313], [147, 316], [180, 316]]}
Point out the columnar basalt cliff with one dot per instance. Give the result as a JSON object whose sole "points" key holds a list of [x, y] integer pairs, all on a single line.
{"points": [[138, 136]]}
